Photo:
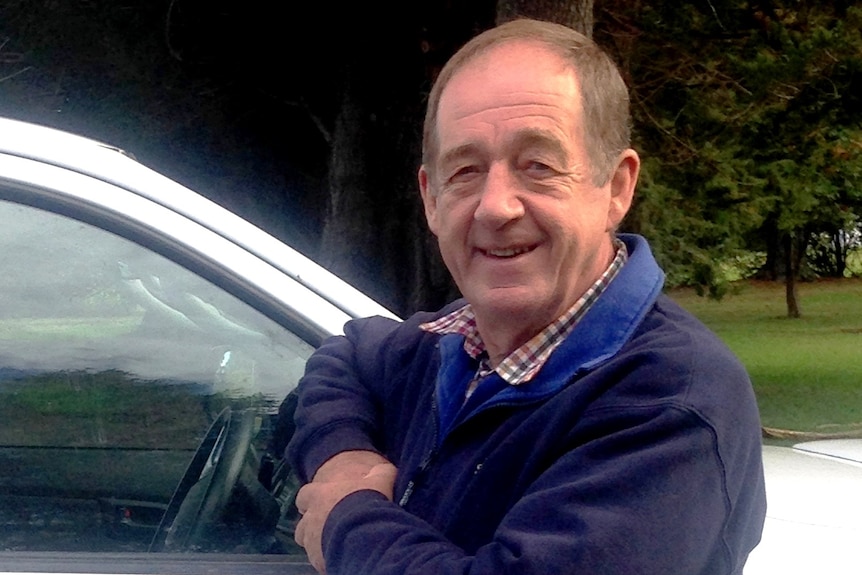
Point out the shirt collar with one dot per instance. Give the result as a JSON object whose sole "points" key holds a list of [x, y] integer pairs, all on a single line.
{"points": [[522, 364]]}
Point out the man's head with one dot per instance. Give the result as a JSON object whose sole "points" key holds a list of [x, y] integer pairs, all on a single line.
{"points": [[604, 96], [523, 217]]}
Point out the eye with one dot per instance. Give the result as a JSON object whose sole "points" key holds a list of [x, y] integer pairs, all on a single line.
{"points": [[464, 174], [538, 169]]}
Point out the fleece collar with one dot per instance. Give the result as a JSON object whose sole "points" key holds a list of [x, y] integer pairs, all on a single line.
{"points": [[598, 336]]}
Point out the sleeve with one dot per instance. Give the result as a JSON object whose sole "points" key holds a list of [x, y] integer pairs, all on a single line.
{"points": [[337, 411], [350, 386], [647, 495]]}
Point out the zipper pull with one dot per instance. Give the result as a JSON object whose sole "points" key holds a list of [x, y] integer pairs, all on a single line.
{"points": [[407, 493]]}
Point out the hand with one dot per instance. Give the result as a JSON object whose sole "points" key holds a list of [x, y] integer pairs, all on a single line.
{"points": [[348, 465], [316, 500]]}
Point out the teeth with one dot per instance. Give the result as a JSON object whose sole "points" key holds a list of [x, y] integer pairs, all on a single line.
{"points": [[508, 253]]}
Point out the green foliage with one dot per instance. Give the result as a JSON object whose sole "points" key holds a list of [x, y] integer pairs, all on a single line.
{"points": [[835, 254], [854, 263], [750, 121]]}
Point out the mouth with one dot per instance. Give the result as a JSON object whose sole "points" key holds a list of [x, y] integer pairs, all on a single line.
{"points": [[506, 253]]}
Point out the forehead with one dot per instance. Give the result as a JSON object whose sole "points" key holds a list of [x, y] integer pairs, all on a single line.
{"points": [[519, 82]]}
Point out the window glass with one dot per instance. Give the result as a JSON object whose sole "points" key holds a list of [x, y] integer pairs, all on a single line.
{"points": [[114, 364]]}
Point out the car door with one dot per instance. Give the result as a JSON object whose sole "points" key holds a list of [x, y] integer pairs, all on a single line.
{"points": [[143, 359]]}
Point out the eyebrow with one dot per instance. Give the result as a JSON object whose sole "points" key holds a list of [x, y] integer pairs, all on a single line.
{"points": [[525, 138], [541, 138], [457, 153]]}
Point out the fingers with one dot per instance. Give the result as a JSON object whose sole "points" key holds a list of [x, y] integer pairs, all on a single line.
{"points": [[308, 535], [316, 500], [303, 498]]}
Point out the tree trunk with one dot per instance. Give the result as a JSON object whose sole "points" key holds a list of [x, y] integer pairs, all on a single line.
{"points": [[348, 233], [791, 275], [374, 234], [577, 14]]}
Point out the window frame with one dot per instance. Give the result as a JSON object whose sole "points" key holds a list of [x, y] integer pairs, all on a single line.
{"points": [[201, 251]]}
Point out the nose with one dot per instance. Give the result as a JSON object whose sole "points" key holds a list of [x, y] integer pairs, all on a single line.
{"points": [[500, 201]]}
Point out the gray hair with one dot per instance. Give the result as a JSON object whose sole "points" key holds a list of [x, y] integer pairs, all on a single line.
{"points": [[604, 95]]}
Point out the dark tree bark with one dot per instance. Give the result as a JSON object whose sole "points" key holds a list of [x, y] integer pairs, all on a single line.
{"points": [[793, 253], [348, 228], [773, 268], [372, 219]]}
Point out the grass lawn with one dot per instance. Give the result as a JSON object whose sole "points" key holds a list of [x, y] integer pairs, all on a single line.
{"points": [[807, 372]]}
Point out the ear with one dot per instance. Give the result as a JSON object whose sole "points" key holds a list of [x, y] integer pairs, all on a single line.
{"points": [[622, 187], [429, 199]]}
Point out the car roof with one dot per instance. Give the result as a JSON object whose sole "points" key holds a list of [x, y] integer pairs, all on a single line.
{"points": [[110, 164]]}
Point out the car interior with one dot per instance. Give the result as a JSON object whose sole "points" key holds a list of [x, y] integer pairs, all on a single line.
{"points": [[140, 401]]}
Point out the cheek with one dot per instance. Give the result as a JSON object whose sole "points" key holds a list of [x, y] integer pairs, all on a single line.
{"points": [[453, 239], [453, 215]]}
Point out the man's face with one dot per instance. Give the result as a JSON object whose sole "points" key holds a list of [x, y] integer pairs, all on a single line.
{"points": [[521, 225]]}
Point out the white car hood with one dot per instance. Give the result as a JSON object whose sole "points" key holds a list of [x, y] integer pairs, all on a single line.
{"points": [[814, 510], [845, 449]]}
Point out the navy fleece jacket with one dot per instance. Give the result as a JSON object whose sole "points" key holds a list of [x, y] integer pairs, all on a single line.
{"points": [[636, 449]]}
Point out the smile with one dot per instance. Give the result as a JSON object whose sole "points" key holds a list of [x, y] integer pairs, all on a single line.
{"points": [[507, 252]]}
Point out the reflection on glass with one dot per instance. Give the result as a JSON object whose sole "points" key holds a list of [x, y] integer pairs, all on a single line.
{"points": [[114, 361]]}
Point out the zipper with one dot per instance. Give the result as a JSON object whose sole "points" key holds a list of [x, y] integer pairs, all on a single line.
{"points": [[427, 460], [431, 456]]}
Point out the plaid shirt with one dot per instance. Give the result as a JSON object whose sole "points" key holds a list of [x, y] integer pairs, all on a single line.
{"points": [[522, 364]]}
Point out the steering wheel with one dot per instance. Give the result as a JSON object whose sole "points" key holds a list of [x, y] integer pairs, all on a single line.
{"points": [[205, 489]]}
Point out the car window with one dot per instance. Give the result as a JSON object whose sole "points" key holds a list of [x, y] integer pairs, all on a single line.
{"points": [[119, 370]]}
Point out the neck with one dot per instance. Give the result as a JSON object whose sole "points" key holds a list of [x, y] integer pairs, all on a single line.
{"points": [[501, 338]]}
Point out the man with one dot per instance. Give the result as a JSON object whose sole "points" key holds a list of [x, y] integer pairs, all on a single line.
{"points": [[566, 417]]}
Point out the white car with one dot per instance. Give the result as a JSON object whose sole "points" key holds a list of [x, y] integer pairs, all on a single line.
{"points": [[814, 510], [147, 340]]}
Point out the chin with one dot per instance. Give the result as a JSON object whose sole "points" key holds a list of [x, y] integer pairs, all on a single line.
{"points": [[514, 304]]}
